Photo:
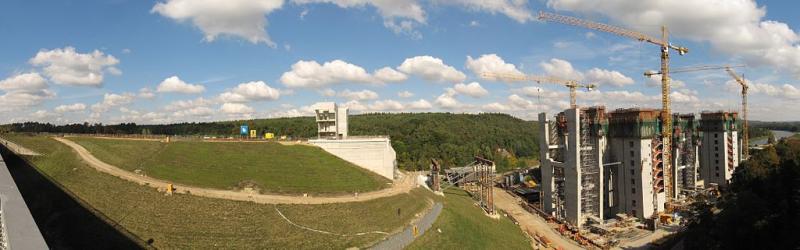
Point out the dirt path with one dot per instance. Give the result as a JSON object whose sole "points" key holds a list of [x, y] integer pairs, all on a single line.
{"points": [[401, 186], [530, 222], [17, 149]]}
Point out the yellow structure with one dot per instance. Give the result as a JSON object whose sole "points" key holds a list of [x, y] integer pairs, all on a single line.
{"points": [[170, 189], [571, 84], [269, 136], [666, 46], [253, 134]]}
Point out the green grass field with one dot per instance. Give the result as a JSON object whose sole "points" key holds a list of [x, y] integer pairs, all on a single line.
{"points": [[272, 167], [464, 226], [190, 222]]}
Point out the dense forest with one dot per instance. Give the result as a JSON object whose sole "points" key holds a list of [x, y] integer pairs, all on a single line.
{"points": [[453, 139], [755, 132], [761, 209], [786, 126]]}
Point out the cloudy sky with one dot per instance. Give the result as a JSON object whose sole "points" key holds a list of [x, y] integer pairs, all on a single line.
{"points": [[198, 60]]}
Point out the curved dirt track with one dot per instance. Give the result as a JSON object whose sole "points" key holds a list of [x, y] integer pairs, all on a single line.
{"points": [[398, 187]]}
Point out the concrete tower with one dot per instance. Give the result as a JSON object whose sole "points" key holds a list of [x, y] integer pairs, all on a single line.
{"points": [[719, 150], [331, 121]]}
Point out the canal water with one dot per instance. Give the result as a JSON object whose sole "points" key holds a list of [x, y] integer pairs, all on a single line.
{"points": [[778, 135]]}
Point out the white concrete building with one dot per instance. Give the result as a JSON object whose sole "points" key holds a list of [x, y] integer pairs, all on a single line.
{"points": [[596, 165], [571, 150], [719, 151], [331, 120], [374, 153]]}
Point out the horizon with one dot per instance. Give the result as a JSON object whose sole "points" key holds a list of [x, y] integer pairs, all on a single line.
{"points": [[167, 61]]}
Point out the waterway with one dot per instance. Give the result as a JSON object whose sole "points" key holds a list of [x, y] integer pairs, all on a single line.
{"points": [[779, 134]]}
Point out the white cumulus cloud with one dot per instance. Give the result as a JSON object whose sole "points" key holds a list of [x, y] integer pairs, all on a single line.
{"points": [[112, 100], [23, 90], [176, 85], [69, 67], [146, 93], [420, 104], [400, 16], [607, 77], [473, 89], [432, 69], [311, 74], [491, 63], [514, 9], [562, 69], [251, 91], [239, 18], [358, 95], [735, 27], [235, 108], [405, 94], [386, 105], [75, 107]]}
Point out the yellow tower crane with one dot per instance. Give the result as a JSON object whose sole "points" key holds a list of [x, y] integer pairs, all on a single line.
{"points": [[745, 137], [571, 84], [663, 42], [739, 79]]}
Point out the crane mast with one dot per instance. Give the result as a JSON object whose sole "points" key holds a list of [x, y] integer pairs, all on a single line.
{"points": [[666, 116], [745, 136], [571, 84]]}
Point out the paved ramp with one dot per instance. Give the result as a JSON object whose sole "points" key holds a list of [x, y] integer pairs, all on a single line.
{"points": [[406, 237]]}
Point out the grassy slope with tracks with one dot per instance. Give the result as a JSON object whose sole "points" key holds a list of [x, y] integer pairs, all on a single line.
{"points": [[185, 222], [273, 167], [465, 226]]}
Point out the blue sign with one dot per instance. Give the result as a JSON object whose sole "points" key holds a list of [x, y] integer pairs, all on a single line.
{"points": [[245, 130]]}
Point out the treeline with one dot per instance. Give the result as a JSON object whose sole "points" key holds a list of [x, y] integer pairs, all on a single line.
{"points": [[758, 131], [785, 126], [453, 139], [760, 210]]}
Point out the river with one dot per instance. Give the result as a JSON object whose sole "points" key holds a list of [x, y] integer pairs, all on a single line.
{"points": [[779, 134]]}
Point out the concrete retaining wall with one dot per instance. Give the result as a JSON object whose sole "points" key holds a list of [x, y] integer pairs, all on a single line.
{"points": [[374, 154], [19, 230]]}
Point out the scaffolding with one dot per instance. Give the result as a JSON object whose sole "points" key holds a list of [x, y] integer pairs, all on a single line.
{"points": [[685, 153], [478, 179], [590, 167], [559, 195], [485, 171]]}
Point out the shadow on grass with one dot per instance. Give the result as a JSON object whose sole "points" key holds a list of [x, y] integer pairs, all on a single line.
{"points": [[65, 221]]}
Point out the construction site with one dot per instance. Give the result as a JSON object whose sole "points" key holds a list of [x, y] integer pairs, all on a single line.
{"points": [[587, 174]]}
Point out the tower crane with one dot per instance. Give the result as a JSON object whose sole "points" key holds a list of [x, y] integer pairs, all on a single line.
{"points": [[692, 68], [739, 79], [571, 84], [666, 116], [745, 137]]}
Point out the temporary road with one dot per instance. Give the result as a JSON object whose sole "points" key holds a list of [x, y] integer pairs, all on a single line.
{"points": [[401, 186], [530, 222]]}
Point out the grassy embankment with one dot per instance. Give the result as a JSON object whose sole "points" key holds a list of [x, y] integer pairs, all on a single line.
{"points": [[272, 167], [185, 221], [464, 226]]}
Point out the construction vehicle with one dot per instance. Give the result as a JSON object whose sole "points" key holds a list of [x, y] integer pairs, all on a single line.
{"points": [[666, 115], [531, 184], [571, 84]]}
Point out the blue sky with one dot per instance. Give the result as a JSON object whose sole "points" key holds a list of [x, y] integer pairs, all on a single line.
{"points": [[199, 60]]}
